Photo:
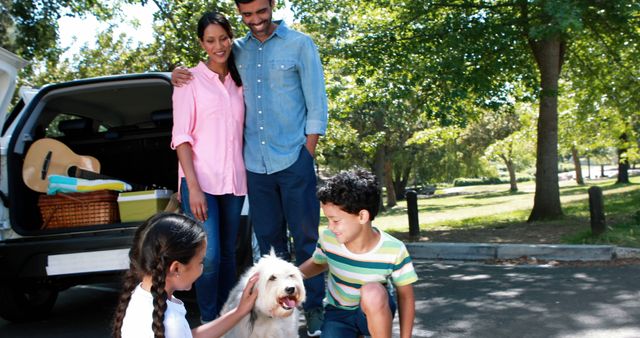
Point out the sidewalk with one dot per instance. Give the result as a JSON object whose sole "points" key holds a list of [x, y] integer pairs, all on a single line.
{"points": [[492, 251]]}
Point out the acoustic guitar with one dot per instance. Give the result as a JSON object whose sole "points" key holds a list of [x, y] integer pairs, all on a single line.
{"points": [[51, 157]]}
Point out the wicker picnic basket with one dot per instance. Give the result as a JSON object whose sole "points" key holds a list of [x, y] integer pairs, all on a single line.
{"points": [[64, 210]]}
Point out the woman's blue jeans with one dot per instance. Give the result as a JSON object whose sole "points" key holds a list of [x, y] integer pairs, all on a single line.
{"points": [[219, 273]]}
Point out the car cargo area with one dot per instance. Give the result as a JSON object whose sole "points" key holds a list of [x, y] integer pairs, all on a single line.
{"points": [[124, 122]]}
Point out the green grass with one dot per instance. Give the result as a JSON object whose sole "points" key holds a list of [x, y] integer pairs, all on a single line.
{"points": [[623, 221], [494, 206]]}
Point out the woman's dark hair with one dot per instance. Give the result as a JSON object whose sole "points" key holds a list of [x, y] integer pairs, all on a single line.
{"points": [[352, 191], [215, 18], [158, 242]]}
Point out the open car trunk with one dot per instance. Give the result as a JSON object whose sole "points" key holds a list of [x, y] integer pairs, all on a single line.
{"points": [[122, 121]]}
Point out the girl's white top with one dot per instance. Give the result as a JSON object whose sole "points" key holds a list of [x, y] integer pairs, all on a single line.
{"points": [[138, 317]]}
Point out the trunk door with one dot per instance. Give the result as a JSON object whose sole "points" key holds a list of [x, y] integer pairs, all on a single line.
{"points": [[10, 65]]}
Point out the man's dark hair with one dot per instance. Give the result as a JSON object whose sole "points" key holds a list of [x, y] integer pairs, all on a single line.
{"points": [[247, 1], [352, 191]]}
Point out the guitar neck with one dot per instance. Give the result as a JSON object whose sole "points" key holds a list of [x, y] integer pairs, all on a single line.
{"points": [[90, 175]]}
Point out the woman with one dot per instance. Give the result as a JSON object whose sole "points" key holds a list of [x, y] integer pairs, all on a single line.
{"points": [[208, 117]]}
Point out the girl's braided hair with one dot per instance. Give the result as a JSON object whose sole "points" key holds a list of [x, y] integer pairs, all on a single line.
{"points": [[157, 243]]}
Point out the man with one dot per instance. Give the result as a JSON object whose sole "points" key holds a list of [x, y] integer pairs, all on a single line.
{"points": [[286, 112]]}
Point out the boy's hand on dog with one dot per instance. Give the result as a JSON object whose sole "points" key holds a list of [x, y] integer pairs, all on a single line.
{"points": [[249, 295]]}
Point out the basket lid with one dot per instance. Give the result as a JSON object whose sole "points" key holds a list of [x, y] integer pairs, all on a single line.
{"points": [[79, 197]]}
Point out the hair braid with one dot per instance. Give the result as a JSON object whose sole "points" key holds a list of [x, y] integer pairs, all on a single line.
{"points": [[130, 281], [159, 297]]}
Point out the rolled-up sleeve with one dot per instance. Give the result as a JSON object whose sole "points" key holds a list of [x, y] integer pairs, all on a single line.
{"points": [[313, 87], [183, 115]]}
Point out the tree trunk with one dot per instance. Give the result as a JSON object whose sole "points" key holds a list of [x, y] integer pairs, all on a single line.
{"points": [[549, 57], [623, 161], [401, 177], [511, 168], [388, 178], [378, 170], [576, 164]]}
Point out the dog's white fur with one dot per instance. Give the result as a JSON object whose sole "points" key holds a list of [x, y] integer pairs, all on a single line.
{"points": [[280, 292]]}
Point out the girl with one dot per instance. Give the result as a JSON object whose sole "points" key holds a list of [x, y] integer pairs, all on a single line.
{"points": [[166, 256], [208, 119]]}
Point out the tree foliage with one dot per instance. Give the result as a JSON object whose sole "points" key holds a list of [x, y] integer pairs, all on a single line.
{"points": [[465, 55], [31, 26], [513, 142]]}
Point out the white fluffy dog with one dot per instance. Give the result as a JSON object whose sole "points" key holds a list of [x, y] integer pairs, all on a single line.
{"points": [[280, 292]]}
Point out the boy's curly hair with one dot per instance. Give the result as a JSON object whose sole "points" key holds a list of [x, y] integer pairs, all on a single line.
{"points": [[352, 191]]}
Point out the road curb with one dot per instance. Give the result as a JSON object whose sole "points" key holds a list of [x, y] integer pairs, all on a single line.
{"points": [[487, 251], [622, 252]]}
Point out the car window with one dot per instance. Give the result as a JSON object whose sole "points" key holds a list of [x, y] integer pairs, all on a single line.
{"points": [[72, 125]]}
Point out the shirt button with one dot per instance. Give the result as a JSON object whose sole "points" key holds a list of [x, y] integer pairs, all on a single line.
{"points": [[259, 111], [259, 80], [259, 65], [282, 66], [261, 128], [263, 142], [259, 96], [260, 48]]}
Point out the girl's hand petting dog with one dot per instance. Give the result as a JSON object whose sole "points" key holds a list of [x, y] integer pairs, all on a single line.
{"points": [[249, 295]]}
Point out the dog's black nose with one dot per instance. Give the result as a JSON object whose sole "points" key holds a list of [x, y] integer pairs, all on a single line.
{"points": [[290, 290]]}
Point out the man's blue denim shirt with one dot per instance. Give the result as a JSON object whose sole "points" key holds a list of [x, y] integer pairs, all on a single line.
{"points": [[284, 94]]}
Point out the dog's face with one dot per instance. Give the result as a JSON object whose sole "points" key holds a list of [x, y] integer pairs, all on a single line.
{"points": [[280, 287]]}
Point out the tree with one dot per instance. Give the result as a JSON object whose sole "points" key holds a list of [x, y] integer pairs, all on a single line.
{"points": [[175, 33], [438, 149], [517, 148], [606, 86], [7, 26], [474, 51], [34, 25]]}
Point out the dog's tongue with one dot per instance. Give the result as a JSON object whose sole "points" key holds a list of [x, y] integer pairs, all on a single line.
{"points": [[289, 302]]}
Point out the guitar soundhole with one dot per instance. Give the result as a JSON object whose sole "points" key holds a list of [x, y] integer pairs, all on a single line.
{"points": [[71, 172]]}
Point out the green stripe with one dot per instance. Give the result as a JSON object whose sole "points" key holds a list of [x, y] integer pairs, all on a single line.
{"points": [[344, 296], [404, 262], [363, 270], [345, 260]]}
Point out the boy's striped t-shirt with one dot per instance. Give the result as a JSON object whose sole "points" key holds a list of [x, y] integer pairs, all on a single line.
{"points": [[348, 271]]}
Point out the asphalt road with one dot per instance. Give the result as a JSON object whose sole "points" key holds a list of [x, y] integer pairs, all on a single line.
{"points": [[527, 301], [452, 300]]}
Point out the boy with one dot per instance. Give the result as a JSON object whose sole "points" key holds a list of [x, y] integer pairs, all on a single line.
{"points": [[361, 260]]}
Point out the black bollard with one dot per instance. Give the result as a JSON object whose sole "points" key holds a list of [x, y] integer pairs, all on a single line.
{"points": [[596, 210], [412, 211]]}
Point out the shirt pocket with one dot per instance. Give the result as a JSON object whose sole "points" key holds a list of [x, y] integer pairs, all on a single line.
{"points": [[284, 72]]}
